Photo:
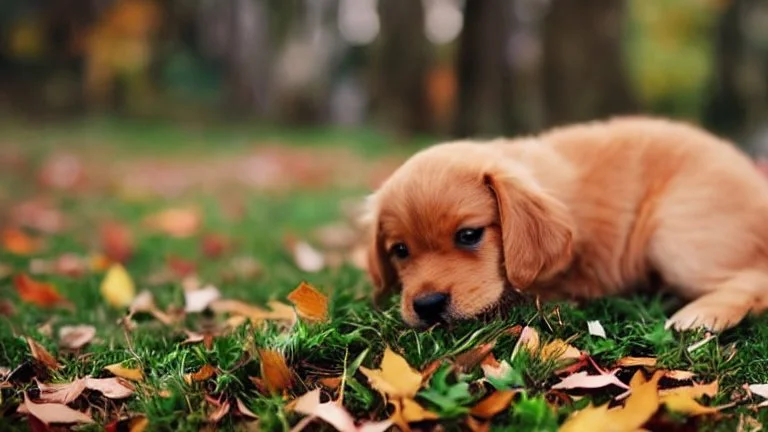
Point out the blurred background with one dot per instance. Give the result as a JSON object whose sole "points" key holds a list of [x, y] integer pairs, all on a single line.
{"points": [[405, 67]]}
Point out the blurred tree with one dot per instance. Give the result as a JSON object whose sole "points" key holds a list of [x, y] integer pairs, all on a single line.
{"points": [[584, 71], [483, 73], [400, 65]]}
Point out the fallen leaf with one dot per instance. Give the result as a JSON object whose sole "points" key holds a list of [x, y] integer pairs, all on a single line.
{"points": [[471, 358], [684, 404], [113, 388], [117, 287], [588, 419], [219, 413], [204, 373], [61, 171], [497, 371], [18, 242], [133, 374], [596, 329], [116, 242], [529, 339], [243, 409], [145, 303], [198, 300], [40, 354], [759, 389], [38, 293], [333, 414], [331, 383], [310, 303], [306, 257], [255, 314], [244, 267], [181, 267], [175, 222], [493, 404], [679, 375], [395, 377], [61, 393], [694, 391], [560, 351], [214, 245], [582, 380], [475, 425], [138, 424], [67, 264], [75, 337], [53, 413], [636, 361], [274, 370], [409, 411]]}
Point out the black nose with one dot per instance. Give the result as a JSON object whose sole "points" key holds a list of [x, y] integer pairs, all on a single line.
{"points": [[430, 307]]}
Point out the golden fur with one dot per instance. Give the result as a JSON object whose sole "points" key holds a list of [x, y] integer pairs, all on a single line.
{"points": [[578, 212]]}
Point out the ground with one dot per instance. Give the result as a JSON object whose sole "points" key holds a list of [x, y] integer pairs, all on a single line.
{"points": [[77, 188]]}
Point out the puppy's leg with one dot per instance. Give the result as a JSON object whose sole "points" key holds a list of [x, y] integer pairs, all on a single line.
{"points": [[725, 305]]}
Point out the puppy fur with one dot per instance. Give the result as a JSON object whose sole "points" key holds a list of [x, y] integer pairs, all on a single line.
{"points": [[578, 212]]}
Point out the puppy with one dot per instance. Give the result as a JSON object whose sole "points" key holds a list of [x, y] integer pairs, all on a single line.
{"points": [[576, 213]]}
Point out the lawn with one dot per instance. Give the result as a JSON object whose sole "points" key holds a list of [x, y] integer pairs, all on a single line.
{"points": [[217, 369]]}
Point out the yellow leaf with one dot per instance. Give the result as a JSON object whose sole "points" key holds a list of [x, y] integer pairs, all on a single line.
{"points": [[493, 404], [117, 287], [636, 361], [138, 424], [695, 391], [274, 370], [559, 350], [395, 377], [409, 411], [310, 304], [130, 374], [588, 419], [684, 404]]}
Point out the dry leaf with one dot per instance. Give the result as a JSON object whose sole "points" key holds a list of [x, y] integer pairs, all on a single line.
{"points": [[204, 373], [53, 413], [128, 373], [679, 375], [529, 339], [684, 404], [145, 303], [198, 300], [116, 242], [582, 380], [395, 378], [636, 361], [75, 337], [331, 383], [496, 371], [113, 388], [471, 358], [61, 393], [493, 404], [176, 222], [306, 257], [42, 355], [310, 303], [219, 412], [560, 351], [759, 389], [38, 293], [214, 245], [274, 370], [117, 287], [181, 267], [588, 419], [475, 425], [333, 414], [409, 411], [18, 242], [255, 314], [138, 424], [596, 329], [695, 391], [243, 409]]}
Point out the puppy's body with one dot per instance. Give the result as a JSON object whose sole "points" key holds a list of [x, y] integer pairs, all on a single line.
{"points": [[580, 212]]}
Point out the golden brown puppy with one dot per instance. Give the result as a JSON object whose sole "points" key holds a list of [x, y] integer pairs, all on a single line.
{"points": [[575, 213]]}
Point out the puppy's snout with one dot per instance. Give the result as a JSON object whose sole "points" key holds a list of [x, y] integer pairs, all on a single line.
{"points": [[430, 307]]}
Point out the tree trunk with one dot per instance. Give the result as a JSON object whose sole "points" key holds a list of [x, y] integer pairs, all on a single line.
{"points": [[584, 72]]}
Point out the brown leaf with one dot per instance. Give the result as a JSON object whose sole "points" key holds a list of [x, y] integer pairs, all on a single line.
{"points": [[274, 371], [198, 300], [113, 388], [53, 413], [61, 393], [331, 413], [181, 267], [493, 404], [395, 378], [116, 241], [636, 361], [331, 383], [473, 357], [219, 412], [408, 411], [255, 314], [204, 373], [138, 424], [75, 337], [175, 222], [18, 242], [42, 355], [214, 245], [118, 370], [38, 293], [144, 302], [243, 409], [679, 375], [310, 303], [695, 391]]}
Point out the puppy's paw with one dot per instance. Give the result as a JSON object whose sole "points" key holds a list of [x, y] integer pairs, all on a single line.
{"points": [[707, 316]]}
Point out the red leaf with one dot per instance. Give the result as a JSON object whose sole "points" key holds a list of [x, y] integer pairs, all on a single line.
{"points": [[38, 293], [116, 241], [214, 245], [181, 267]]}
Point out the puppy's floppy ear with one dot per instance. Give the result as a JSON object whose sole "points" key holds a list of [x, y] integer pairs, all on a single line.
{"points": [[536, 230], [382, 273]]}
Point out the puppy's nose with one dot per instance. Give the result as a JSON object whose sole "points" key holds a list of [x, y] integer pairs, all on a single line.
{"points": [[430, 307]]}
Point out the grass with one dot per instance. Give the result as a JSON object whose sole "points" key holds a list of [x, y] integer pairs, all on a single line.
{"points": [[356, 334]]}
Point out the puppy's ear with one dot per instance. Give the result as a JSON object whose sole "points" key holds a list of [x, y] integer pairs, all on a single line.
{"points": [[383, 274], [536, 230]]}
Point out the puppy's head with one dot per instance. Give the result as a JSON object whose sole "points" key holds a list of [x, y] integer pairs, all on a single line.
{"points": [[454, 227]]}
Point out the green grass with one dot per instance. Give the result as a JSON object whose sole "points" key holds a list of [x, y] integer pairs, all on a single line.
{"points": [[356, 334]]}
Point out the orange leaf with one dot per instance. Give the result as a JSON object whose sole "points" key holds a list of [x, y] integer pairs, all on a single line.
{"points": [[473, 357], [38, 293], [42, 355], [130, 374], [310, 303], [204, 373], [274, 370], [493, 404], [18, 242], [636, 361], [116, 242], [214, 245], [176, 222]]}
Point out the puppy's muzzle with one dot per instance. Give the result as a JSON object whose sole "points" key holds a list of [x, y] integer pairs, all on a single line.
{"points": [[430, 307]]}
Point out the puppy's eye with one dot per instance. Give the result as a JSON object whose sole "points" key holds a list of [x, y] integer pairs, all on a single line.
{"points": [[468, 237], [399, 250]]}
